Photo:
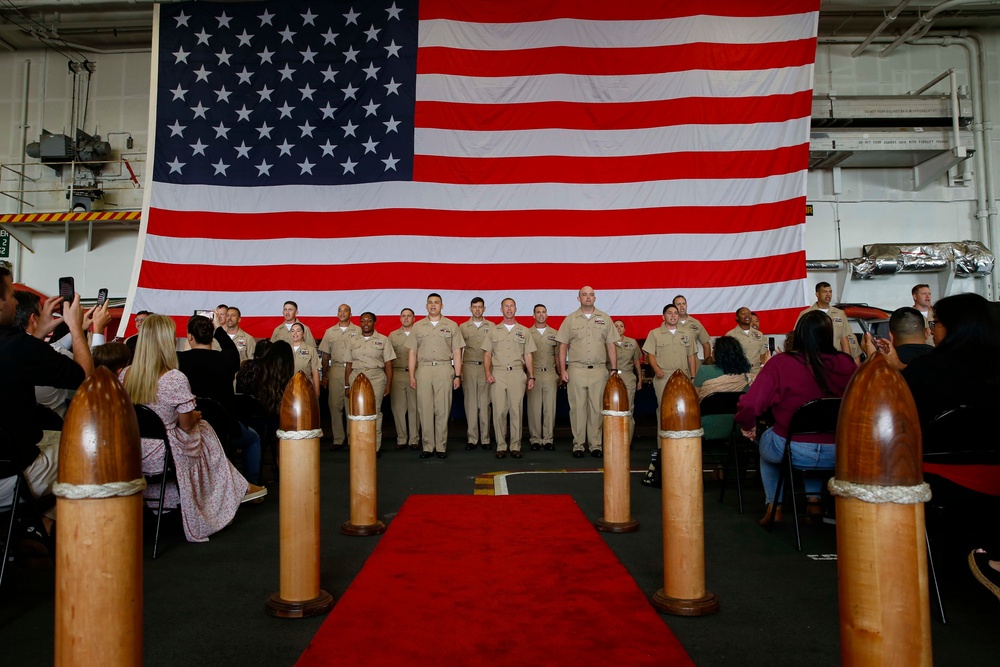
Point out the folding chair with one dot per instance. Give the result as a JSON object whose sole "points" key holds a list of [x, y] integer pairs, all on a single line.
{"points": [[151, 427], [21, 499], [724, 403], [812, 418]]}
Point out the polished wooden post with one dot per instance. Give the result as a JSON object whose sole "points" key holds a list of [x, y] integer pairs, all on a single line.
{"points": [[617, 500], [683, 591], [881, 550], [299, 595], [99, 531], [364, 489]]}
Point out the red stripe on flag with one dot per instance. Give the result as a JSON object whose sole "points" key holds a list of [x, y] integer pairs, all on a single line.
{"points": [[386, 276], [615, 62], [627, 169], [614, 116], [482, 224], [519, 11]]}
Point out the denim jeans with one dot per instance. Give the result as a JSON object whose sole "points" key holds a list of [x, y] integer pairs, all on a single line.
{"points": [[805, 456], [249, 442]]}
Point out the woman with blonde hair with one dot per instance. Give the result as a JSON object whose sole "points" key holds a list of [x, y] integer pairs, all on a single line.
{"points": [[209, 489]]}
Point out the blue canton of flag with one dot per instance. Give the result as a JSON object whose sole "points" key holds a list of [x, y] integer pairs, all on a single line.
{"points": [[284, 93]]}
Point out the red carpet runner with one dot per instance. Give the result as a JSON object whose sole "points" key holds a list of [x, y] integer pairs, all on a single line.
{"points": [[507, 580]]}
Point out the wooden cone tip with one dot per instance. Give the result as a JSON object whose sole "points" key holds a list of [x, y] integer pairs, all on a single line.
{"points": [[679, 409], [362, 396], [299, 405], [100, 435], [878, 429], [615, 394]]}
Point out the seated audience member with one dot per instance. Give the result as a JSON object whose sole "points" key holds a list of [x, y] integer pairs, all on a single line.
{"points": [[27, 362], [209, 490], [246, 378], [812, 369], [140, 317], [906, 334], [730, 372], [27, 317], [211, 375], [114, 356], [276, 370]]}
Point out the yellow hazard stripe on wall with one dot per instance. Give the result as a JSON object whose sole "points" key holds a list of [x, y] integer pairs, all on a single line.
{"points": [[71, 217]]}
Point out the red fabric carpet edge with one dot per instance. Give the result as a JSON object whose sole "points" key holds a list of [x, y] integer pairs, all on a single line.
{"points": [[518, 580]]}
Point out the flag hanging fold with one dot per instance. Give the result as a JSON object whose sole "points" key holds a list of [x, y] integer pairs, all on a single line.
{"points": [[371, 152]]}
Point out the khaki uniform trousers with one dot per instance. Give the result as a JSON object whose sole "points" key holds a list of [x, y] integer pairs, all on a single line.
{"points": [[477, 402], [630, 382], [403, 399], [377, 377], [338, 402], [435, 385], [542, 407], [586, 399], [507, 395]]}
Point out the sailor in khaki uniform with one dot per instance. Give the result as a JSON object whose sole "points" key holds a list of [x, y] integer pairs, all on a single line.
{"points": [[306, 359], [629, 369], [841, 329], [542, 397], [372, 354], [477, 393], [586, 344], [507, 351], [753, 342], [290, 311], [921, 294], [245, 343], [697, 329], [435, 367], [669, 348], [403, 397], [334, 350]]}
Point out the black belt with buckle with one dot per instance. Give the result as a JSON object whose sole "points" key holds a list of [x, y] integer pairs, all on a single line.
{"points": [[477, 363], [514, 368]]}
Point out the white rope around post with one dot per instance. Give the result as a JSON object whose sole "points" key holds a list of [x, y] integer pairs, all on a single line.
{"points": [[362, 418], [877, 495], [616, 413], [108, 490], [678, 435], [300, 435]]}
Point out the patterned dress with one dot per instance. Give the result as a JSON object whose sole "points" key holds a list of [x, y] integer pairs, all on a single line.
{"points": [[209, 489]]}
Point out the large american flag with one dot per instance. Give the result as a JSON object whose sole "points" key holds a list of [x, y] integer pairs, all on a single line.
{"points": [[370, 152]]}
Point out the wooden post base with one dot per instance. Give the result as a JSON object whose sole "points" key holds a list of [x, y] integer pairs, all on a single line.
{"points": [[349, 528], [275, 606], [699, 607], [616, 526]]}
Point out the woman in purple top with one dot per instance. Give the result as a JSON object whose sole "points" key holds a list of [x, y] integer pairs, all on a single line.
{"points": [[812, 369]]}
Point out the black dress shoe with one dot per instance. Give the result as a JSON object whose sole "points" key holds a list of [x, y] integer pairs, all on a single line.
{"points": [[471, 445], [597, 453], [415, 447], [442, 455], [501, 455], [516, 454], [402, 446], [549, 447], [426, 455], [486, 445], [577, 453], [535, 446]]}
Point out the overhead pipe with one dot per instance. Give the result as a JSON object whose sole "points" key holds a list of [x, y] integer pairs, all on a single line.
{"points": [[926, 19], [889, 18]]}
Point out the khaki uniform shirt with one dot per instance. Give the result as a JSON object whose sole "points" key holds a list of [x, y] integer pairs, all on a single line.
{"points": [[628, 351], [671, 350], [398, 340], [546, 348], [306, 359], [245, 343], [371, 354], [336, 340], [588, 337], [474, 337], [697, 330], [435, 343], [281, 333], [841, 328], [754, 344], [508, 347]]}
